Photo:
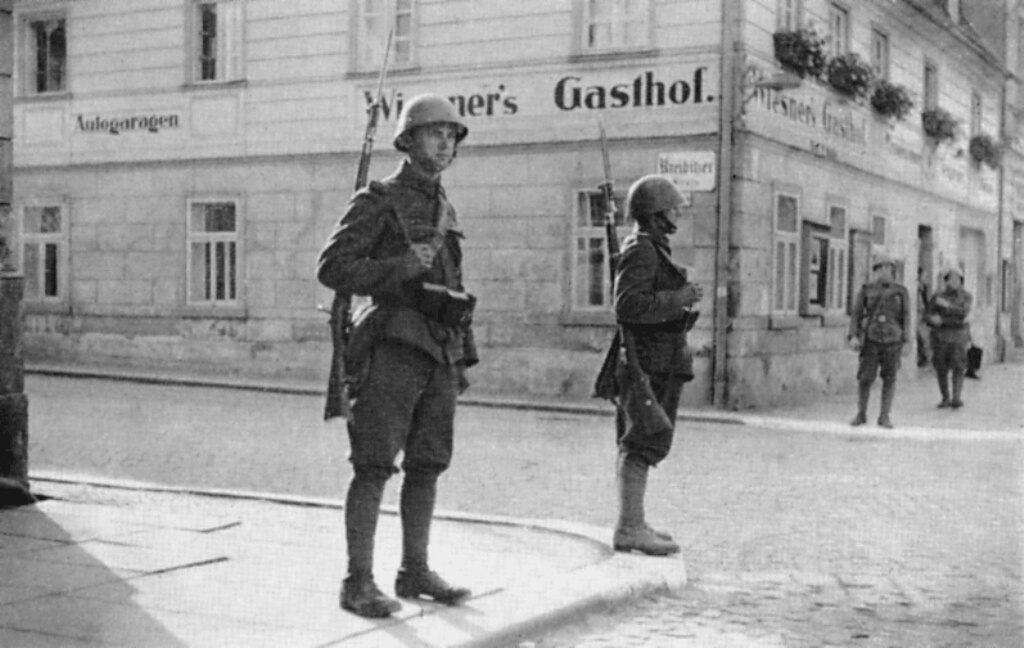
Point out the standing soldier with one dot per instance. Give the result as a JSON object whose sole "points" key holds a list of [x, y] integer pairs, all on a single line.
{"points": [[410, 345], [879, 331], [652, 305], [947, 315]]}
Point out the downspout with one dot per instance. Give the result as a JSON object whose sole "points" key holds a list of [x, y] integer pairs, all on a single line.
{"points": [[731, 23], [1001, 206]]}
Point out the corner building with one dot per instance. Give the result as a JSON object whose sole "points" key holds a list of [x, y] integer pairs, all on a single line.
{"points": [[178, 164]]}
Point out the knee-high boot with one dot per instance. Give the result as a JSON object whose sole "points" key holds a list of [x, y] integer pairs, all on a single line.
{"points": [[888, 395], [958, 385], [943, 377], [863, 395], [632, 531], [359, 592]]}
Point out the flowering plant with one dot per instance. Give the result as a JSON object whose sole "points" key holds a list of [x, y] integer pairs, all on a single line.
{"points": [[939, 124], [984, 149], [891, 100], [849, 75], [801, 50]]}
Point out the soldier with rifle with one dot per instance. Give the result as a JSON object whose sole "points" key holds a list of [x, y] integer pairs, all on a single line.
{"points": [[406, 355], [653, 302]]}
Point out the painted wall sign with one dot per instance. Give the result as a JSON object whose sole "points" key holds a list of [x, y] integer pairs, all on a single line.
{"points": [[691, 170], [151, 123]]}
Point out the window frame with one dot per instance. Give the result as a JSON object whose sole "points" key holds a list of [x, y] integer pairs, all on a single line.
{"points": [[930, 83], [368, 47], [192, 238], [789, 14], [231, 66], [580, 233], [977, 108], [583, 29], [839, 35], [26, 86], [881, 62], [790, 241], [829, 295], [38, 297]]}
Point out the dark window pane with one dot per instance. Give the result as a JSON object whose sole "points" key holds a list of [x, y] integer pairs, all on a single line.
{"points": [[50, 277]]}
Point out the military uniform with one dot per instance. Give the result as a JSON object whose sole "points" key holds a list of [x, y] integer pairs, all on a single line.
{"points": [[950, 336], [881, 321]]}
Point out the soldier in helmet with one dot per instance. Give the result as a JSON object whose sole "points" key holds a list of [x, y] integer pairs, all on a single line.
{"points": [[653, 301], [947, 316], [407, 356], [879, 331]]}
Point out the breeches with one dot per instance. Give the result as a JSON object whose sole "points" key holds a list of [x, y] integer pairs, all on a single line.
{"points": [[630, 435], [878, 360], [407, 404]]}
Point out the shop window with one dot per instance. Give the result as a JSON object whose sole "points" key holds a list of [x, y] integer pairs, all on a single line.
{"points": [[591, 281], [45, 49], [376, 18], [212, 252], [880, 54], [838, 29], [789, 15], [785, 257], [43, 251], [609, 25], [216, 43]]}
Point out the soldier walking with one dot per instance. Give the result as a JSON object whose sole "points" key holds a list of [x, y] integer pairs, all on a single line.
{"points": [[408, 352], [950, 336], [879, 331], [653, 300]]}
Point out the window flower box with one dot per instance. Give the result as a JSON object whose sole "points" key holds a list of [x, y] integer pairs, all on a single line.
{"points": [[801, 50], [891, 100], [985, 150], [849, 75], [939, 125]]}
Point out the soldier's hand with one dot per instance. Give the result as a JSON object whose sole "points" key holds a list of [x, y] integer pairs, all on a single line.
{"points": [[855, 343], [461, 378], [691, 294], [425, 252]]}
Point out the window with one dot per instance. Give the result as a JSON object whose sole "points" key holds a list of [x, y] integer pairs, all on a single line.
{"points": [[787, 236], [591, 283], [216, 41], [880, 54], [823, 284], [46, 55], [376, 17], [975, 113], [43, 248], [789, 15], [838, 29], [878, 230], [835, 298], [931, 86], [615, 25], [212, 252]]}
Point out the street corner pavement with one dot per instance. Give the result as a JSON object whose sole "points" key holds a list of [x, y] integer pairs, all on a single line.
{"points": [[99, 563]]}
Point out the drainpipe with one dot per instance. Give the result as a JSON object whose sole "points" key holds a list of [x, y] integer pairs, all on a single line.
{"points": [[1000, 209], [731, 21]]}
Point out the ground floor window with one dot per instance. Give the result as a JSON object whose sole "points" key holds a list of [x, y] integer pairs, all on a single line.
{"points": [[213, 252], [786, 253], [591, 280], [44, 249]]}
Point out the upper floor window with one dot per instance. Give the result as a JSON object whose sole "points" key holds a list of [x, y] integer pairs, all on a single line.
{"points": [[975, 113], [212, 252], [838, 29], [591, 280], [615, 24], [44, 247], [789, 14], [880, 54], [376, 17], [216, 44], [931, 86], [45, 49], [785, 257]]}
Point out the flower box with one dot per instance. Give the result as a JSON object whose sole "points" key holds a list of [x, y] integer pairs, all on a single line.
{"points": [[891, 100], [849, 75], [801, 50], [985, 150], [939, 124]]}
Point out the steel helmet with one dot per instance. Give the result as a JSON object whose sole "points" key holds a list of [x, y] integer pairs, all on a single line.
{"points": [[952, 268], [882, 259], [652, 194], [428, 109]]}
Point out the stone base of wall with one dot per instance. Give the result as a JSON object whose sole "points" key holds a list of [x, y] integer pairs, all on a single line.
{"points": [[14, 438]]}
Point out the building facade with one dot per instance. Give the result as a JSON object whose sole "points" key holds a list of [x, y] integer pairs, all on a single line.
{"points": [[179, 163]]}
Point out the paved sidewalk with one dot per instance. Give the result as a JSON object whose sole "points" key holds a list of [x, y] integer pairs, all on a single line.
{"points": [[130, 565]]}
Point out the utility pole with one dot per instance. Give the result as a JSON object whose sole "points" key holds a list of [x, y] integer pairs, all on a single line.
{"points": [[14, 487]]}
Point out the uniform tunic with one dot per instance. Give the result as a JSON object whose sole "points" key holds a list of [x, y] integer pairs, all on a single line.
{"points": [[881, 318], [950, 335], [405, 364], [649, 304]]}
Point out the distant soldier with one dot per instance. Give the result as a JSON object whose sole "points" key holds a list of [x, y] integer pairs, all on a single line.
{"points": [[408, 352], [880, 328], [947, 315], [653, 300]]}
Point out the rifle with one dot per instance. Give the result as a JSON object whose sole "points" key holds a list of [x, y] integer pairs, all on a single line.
{"points": [[337, 400], [607, 188]]}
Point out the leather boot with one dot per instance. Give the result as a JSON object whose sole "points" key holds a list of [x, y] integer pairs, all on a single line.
{"points": [[632, 533], [863, 395], [359, 592], [958, 386], [943, 377], [888, 395]]}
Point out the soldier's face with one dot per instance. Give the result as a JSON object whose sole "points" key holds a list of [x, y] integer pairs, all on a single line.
{"points": [[432, 147], [884, 272]]}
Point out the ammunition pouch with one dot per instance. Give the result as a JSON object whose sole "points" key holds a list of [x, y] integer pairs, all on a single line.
{"points": [[451, 308]]}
